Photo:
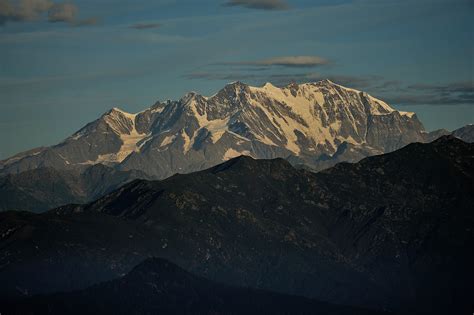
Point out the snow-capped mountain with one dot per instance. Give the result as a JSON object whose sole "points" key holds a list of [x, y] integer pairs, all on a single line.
{"points": [[314, 124]]}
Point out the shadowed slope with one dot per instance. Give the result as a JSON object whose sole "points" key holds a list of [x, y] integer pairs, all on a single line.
{"points": [[392, 231], [157, 286]]}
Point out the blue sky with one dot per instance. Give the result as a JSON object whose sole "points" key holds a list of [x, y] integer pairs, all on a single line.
{"points": [[63, 66]]}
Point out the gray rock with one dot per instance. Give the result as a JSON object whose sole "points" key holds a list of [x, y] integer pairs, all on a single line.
{"points": [[465, 133]]}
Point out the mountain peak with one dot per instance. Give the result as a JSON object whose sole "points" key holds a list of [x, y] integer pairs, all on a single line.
{"points": [[326, 81], [447, 140], [189, 96], [465, 133], [237, 86], [268, 85], [232, 90], [236, 83], [306, 120], [331, 84], [115, 111]]}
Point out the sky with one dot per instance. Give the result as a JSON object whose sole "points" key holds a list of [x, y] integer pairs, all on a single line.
{"points": [[63, 64]]}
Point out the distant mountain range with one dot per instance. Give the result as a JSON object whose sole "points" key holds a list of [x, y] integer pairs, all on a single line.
{"points": [[42, 189], [307, 122], [157, 286], [312, 125], [391, 232], [465, 133]]}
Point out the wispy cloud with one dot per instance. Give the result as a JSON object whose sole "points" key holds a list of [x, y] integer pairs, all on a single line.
{"points": [[398, 93], [286, 61], [145, 26], [259, 4], [30, 10], [23, 10], [62, 12], [86, 22], [432, 99], [456, 87], [393, 91]]}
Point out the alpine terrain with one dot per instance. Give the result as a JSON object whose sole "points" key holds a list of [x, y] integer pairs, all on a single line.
{"points": [[316, 124]]}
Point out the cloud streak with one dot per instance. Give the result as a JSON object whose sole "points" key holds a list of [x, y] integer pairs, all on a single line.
{"points": [[456, 87], [23, 10], [397, 93], [393, 91], [271, 5], [31, 10], [453, 93], [62, 12], [287, 61], [145, 26], [86, 22]]}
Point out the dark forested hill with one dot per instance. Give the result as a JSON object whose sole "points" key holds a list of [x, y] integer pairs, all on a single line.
{"points": [[157, 286], [391, 232]]}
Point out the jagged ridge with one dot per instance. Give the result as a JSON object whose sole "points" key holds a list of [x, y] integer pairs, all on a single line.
{"points": [[304, 122]]}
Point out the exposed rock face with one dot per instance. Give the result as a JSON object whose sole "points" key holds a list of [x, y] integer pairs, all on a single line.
{"points": [[307, 122], [465, 133], [392, 131], [157, 286], [390, 232], [108, 140], [433, 135]]}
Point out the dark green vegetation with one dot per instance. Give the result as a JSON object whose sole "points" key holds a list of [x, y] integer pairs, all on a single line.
{"points": [[391, 232]]}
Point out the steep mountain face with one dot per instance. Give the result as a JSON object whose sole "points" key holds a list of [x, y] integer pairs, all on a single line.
{"points": [[157, 286], [433, 135], [465, 133], [108, 140], [42, 189], [306, 122], [390, 232]]}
